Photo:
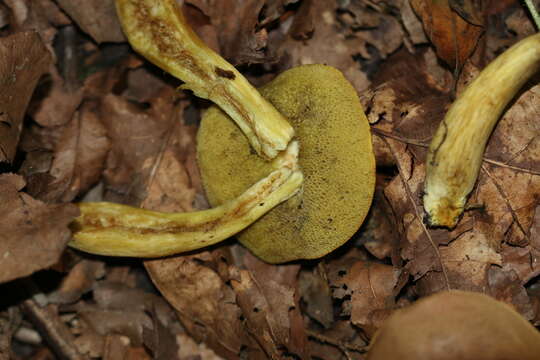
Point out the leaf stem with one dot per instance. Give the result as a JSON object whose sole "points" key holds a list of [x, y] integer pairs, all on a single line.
{"points": [[534, 12]]}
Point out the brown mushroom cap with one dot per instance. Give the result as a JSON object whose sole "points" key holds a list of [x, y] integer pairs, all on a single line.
{"points": [[456, 325], [336, 158]]}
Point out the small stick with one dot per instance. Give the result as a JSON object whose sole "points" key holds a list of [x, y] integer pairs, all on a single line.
{"points": [[53, 330], [534, 12]]}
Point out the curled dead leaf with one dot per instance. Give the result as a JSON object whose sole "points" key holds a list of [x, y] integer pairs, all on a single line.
{"points": [[33, 234], [24, 59]]}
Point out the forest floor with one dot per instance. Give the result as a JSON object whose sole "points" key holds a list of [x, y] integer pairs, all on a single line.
{"points": [[84, 118]]}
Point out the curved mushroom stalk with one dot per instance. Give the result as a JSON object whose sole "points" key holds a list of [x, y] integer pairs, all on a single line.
{"points": [[121, 230], [159, 32], [456, 151]]}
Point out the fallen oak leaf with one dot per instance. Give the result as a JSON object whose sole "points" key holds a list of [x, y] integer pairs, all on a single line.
{"points": [[470, 257], [468, 10], [316, 295], [325, 46], [95, 17], [269, 299], [373, 288], [205, 304], [33, 234], [241, 38], [24, 59], [80, 279], [454, 38], [79, 155], [419, 246]]}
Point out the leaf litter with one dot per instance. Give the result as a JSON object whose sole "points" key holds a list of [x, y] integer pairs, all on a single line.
{"points": [[102, 124]]}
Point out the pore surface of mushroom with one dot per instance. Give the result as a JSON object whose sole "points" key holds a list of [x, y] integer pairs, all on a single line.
{"points": [[335, 157], [456, 325]]}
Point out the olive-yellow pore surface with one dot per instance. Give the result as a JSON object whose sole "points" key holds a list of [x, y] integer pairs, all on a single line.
{"points": [[336, 158]]}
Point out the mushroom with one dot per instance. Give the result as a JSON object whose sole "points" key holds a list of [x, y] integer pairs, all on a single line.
{"points": [[456, 325], [455, 153], [158, 30], [335, 156]]}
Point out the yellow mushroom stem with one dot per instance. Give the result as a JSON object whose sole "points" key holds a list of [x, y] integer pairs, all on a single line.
{"points": [[158, 30], [120, 230], [455, 153]]}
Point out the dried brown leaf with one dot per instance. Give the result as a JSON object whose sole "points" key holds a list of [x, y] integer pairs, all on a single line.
{"points": [[90, 343], [126, 322], [137, 353], [33, 234], [95, 17], [10, 322], [139, 137], [316, 294], [205, 304], [303, 24], [469, 257], [505, 285], [328, 45], [371, 24], [240, 38], [52, 12], [469, 10], [160, 340], [65, 154], [453, 37], [268, 298], [31, 15], [412, 24], [117, 296], [115, 347], [54, 103], [80, 155], [142, 85], [373, 288], [379, 235], [189, 349], [342, 341], [24, 60], [80, 280]]}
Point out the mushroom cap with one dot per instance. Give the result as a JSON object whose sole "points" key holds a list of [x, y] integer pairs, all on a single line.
{"points": [[336, 158], [456, 325]]}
